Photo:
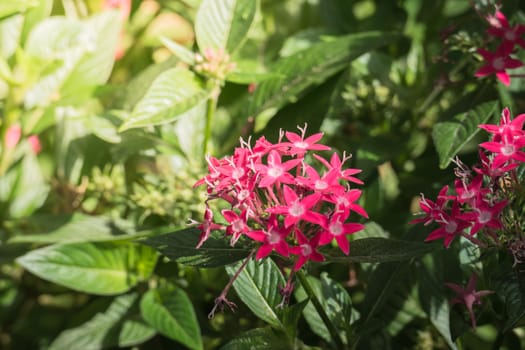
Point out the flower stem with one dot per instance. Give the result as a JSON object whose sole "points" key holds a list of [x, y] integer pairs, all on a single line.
{"points": [[320, 310], [222, 299], [211, 105]]}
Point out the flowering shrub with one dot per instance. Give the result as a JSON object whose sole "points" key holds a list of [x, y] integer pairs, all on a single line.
{"points": [[279, 200]]}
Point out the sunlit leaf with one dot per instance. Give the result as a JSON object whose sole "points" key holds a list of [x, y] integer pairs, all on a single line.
{"points": [[224, 24], [173, 93], [105, 268]]}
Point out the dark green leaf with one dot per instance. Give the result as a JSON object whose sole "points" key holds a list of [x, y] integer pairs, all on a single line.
{"points": [[258, 287], [181, 246], [376, 249], [258, 339], [119, 325], [336, 303], [449, 137], [100, 268], [310, 67], [170, 312], [511, 288]]}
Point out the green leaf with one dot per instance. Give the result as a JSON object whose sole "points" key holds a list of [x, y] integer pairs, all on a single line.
{"points": [[511, 288], [224, 24], [258, 339], [181, 246], [10, 33], [67, 229], [119, 325], [335, 301], [258, 287], [310, 67], [173, 93], [377, 249], [450, 137], [170, 312], [435, 303], [106, 268], [290, 316], [9, 8], [30, 189], [181, 52], [80, 56]]}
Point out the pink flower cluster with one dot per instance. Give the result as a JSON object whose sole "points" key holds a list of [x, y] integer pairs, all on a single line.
{"points": [[479, 200], [508, 37], [277, 199]]}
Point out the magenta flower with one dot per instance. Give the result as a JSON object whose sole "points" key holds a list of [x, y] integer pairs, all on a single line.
{"points": [[498, 63], [451, 226], [506, 125], [510, 35], [297, 208], [274, 238], [275, 171], [336, 228], [484, 215], [468, 296], [507, 149], [307, 250], [279, 201], [433, 210]]}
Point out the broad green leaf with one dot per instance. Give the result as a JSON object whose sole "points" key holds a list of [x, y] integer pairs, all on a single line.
{"points": [[335, 301], [258, 287], [450, 137], [106, 268], [119, 325], [181, 246], [10, 33], [82, 52], [224, 24], [173, 93], [181, 52], [377, 249], [35, 15], [67, 229], [259, 339], [9, 8], [310, 67], [30, 189], [170, 312], [511, 288]]}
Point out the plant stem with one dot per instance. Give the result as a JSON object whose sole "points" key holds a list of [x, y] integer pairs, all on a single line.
{"points": [[319, 308], [211, 105]]}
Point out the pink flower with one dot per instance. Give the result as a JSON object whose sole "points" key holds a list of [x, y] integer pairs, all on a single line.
{"points": [[275, 171], [337, 165], [484, 215], [468, 296], [12, 136], [452, 225], [34, 142], [506, 125], [299, 145], [274, 238], [297, 208], [336, 228], [433, 210], [307, 250], [238, 224], [508, 149], [497, 63], [510, 35]]}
